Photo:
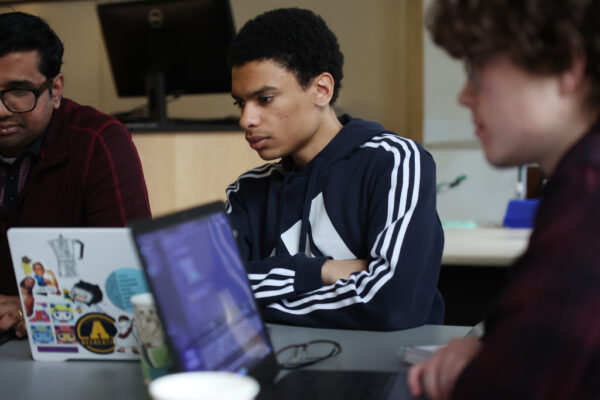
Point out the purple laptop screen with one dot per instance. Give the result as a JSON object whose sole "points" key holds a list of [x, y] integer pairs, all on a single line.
{"points": [[201, 289]]}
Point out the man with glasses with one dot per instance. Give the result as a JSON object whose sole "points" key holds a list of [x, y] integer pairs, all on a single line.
{"points": [[61, 164]]}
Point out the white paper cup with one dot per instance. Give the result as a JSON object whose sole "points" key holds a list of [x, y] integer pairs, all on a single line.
{"points": [[156, 359], [204, 385]]}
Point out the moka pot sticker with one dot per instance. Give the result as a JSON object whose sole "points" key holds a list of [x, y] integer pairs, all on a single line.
{"points": [[67, 251]]}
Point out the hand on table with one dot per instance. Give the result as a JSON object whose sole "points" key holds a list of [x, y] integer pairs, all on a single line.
{"points": [[11, 315], [334, 270], [436, 376]]}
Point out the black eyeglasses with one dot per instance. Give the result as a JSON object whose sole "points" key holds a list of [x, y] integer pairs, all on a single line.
{"points": [[472, 75], [22, 100], [309, 353], [474, 63]]}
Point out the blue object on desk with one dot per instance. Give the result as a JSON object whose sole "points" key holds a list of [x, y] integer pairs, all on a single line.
{"points": [[520, 213]]}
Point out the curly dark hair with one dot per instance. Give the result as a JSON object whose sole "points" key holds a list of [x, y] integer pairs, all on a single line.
{"points": [[540, 36], [297, 39], [25, 32]]}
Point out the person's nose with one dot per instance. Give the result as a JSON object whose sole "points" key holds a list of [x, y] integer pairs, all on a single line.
{"points": [[466, 97], [250, 118], [4, 111]]}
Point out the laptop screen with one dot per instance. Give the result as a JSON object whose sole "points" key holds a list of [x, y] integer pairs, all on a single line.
{"points": [[202, 293]]}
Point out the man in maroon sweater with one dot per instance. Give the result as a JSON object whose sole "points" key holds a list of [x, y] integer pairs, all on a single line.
{"points": [[61, 164]]}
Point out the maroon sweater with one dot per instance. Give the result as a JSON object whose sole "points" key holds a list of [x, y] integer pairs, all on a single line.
{"points": [[542, 338], [88, 174]]}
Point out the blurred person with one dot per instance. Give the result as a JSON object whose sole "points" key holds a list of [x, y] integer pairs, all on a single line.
{"points": [[533, 89]]}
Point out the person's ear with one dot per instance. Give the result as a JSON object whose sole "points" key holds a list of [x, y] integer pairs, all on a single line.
{"points": [[57, 89], [324, 85], [572, 79]]}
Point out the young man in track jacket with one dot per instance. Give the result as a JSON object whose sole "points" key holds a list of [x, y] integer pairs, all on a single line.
{"points": [[342, 231]]}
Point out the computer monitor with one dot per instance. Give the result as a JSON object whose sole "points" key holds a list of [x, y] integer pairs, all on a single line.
{"points": [[167, 47]]}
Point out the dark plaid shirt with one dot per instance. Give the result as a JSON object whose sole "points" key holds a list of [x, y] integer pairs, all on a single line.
{"points": [[542, 338], [13, 175]]}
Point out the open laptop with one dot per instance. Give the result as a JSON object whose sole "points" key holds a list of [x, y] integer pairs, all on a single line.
{"points": [[211, 319], [75, 286]]}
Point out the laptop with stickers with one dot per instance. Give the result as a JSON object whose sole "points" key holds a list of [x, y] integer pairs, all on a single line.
{"points": [[211, 320], [75, 286]]}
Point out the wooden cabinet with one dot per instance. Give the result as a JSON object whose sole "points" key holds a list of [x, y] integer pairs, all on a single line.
{"points": [[186, 169]]}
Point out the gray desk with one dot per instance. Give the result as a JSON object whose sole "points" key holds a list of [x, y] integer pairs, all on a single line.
{"points": [[23, 378]]}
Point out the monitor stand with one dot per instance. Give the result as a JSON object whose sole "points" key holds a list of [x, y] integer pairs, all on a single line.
{"points": [[157, 120], [157, 98]]}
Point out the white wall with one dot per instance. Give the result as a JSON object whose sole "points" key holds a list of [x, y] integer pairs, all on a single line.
{"points": [[448, 135]]}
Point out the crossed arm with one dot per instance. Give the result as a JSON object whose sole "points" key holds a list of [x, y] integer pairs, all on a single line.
{"points": [[333, 270]]}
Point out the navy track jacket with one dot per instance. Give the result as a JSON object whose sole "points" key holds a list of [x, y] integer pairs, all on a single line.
{"points": [[369, 194]]}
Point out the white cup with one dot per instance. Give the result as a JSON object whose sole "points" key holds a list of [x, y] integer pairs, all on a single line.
{"points": [[204, 385]]}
